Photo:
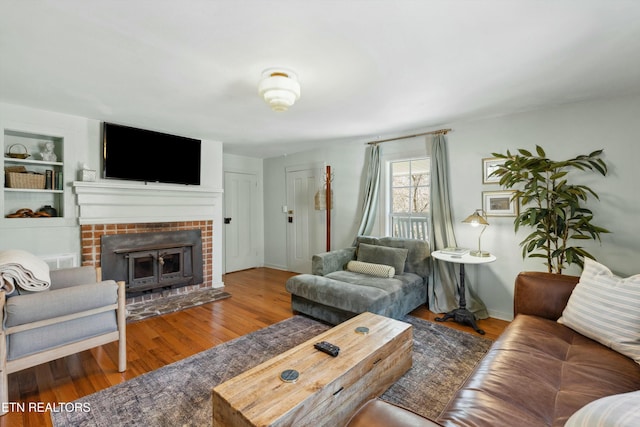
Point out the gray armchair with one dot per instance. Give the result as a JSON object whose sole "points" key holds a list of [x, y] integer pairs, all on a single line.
{"points": [[78, 312]]}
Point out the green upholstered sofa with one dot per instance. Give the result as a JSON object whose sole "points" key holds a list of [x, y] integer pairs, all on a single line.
{"points": [[334, 294]]}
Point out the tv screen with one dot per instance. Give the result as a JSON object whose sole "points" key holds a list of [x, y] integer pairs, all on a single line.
{"points": [[144, 155]]}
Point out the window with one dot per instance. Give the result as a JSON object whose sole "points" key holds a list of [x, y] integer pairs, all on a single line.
{"points": [[409, 197]]}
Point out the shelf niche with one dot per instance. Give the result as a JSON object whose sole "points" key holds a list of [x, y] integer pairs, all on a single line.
{"points": [[34, 198]]}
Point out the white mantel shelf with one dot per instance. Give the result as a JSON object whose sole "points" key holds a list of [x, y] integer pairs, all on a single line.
{"points": [[117, 203]]}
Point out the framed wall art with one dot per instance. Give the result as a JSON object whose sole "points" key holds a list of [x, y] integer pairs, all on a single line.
{"points": [[500, 203], [488, 166]]}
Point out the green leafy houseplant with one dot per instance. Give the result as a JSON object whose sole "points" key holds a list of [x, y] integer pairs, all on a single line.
{"points": [[552, 206]]}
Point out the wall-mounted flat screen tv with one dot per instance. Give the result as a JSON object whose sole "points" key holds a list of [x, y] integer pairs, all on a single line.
{"points": [[144, 155]]}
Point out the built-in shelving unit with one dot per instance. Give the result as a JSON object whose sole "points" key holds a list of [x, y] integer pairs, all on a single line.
{"points": [[18, 197]]}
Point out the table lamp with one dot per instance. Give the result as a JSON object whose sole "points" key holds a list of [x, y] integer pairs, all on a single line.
{"points": [[476, 219]]}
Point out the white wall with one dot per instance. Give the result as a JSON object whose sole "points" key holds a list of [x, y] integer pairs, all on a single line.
{"points": [[346, 163], [563, 131], [82, 145], [56, 235]]}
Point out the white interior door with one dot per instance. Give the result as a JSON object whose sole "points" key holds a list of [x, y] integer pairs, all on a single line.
{"points": [[240, 195], [304, 224]]}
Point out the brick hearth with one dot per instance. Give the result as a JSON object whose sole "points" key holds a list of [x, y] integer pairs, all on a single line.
{"points": [[91, 234]]}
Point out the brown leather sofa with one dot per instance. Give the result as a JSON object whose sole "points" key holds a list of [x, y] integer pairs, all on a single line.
{"points": [[538, 373]]}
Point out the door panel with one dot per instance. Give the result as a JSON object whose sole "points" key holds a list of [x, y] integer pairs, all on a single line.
{"points": [[302, 220], [240, 194]]}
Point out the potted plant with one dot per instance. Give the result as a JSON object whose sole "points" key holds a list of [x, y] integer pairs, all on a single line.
{"points": [[551, 205]]}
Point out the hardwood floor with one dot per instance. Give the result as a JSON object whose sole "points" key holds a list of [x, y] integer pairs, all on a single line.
{"points": [[258, 300]]}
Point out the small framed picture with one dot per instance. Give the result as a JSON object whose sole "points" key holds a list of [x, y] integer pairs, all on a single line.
{"points": [[499, 203], [488, 166]]}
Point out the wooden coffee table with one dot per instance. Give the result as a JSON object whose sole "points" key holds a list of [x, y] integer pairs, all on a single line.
{"points": [[329, 389]]}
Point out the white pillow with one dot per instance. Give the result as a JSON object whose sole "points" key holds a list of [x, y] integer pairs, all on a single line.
{"points": [[620, 410], [605, 308], [379, 270]]}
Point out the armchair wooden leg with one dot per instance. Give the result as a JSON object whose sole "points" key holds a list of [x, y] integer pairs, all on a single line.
{"points": [[122, 327], [4, 381], [4, 391]]}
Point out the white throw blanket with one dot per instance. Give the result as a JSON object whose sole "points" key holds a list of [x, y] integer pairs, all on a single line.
{"points": [[20, 268]]}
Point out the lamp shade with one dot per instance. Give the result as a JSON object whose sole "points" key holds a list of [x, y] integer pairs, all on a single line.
{"points": [[476, 219], [279, 88]]}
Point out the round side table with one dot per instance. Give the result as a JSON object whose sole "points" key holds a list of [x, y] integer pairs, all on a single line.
{"points": [[461, 314]]}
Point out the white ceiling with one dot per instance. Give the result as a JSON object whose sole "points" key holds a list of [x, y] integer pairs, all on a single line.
{"points": [[368, 69]]}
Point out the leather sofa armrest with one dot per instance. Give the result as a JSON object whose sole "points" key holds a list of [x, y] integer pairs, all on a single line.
{"points": [[328, 262], [377, 412], [542, 294]]}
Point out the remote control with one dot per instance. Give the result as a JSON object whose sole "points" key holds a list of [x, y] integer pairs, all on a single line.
{"points": [[328, 348]]}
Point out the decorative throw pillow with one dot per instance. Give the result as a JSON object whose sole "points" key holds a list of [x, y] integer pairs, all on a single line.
{"points": [[395, 257], [378, 270], [604, 307], [620, 410]]}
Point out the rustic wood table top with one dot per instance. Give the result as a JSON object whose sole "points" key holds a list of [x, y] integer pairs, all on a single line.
{"points": [[328, 389]]}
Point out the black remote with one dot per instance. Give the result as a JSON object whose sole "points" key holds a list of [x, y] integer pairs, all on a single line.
{"points": [[328, 348]]}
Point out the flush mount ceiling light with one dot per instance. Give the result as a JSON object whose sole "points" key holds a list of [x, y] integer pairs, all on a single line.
{"points": [[280, 88]]}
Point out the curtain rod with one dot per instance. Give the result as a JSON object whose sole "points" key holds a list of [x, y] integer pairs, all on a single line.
{"points": [[434, 132]]}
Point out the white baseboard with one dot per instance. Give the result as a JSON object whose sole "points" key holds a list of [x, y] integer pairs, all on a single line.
{"points": [[217, 285], [277, 267], [500, 315]]}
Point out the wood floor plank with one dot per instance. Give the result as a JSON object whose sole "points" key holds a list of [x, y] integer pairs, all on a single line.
{"points": [[258, 299]]}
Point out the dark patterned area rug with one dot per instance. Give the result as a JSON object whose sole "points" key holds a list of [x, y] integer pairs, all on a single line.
{"points": [[156, 307], [179, 394]]}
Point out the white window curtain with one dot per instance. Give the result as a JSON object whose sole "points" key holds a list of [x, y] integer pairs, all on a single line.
{"points": [[443, 288], [372, 188]]}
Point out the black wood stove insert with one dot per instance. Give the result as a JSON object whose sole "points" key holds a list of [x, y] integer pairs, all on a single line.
{"points": [[152, 262]]}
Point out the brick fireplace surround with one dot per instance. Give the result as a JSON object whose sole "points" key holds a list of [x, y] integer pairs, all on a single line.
{"points": [[91, 234]]}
